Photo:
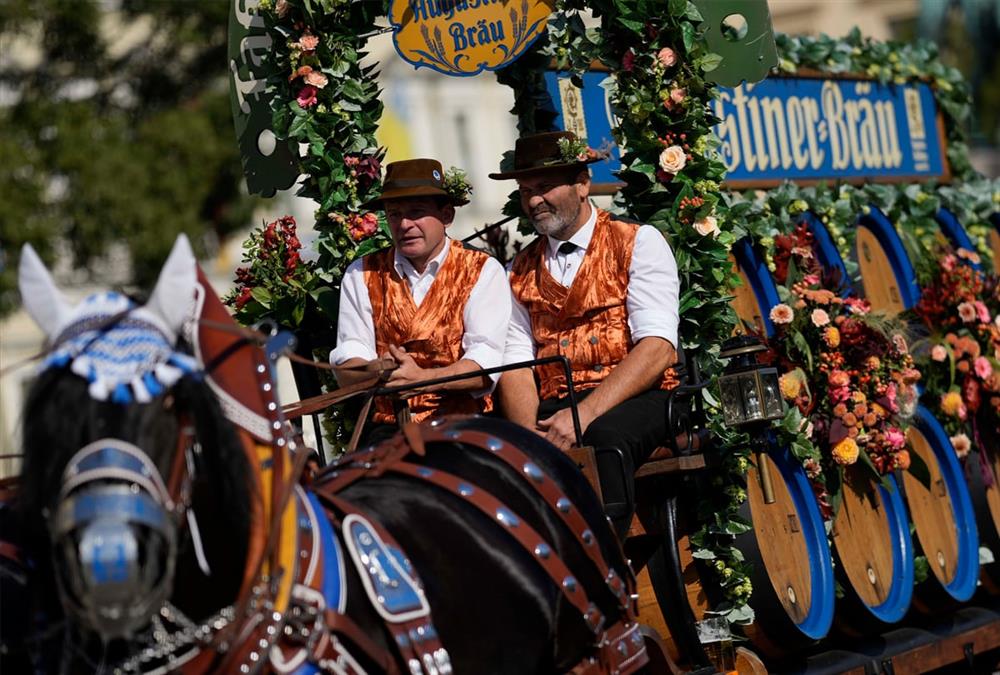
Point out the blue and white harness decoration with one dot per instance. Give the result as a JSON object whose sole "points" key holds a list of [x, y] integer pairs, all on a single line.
{"points": [[131, 360], [385, 573]]}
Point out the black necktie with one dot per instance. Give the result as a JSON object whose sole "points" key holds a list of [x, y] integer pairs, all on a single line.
{"points": [[567, 247]]}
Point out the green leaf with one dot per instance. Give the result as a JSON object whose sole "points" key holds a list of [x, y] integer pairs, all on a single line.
{"points": [[799, 340], [710, 62], [262, 295]]}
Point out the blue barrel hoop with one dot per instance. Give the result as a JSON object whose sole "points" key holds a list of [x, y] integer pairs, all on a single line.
{"points": [[761, 282], [902, 269], [956, 234], [827, 253], [963, 585]]}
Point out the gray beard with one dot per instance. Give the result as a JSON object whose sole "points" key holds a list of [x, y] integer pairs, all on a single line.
{"points": [[556, 224]]}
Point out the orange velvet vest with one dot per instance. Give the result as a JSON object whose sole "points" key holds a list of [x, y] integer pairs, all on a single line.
{"points": [[431, 333], [587, 322]]}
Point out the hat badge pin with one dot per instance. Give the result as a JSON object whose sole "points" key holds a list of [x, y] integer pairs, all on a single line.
{"points": [[436, 174]]}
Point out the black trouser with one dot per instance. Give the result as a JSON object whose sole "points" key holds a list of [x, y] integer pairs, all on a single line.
{"points": [[622, 438]]}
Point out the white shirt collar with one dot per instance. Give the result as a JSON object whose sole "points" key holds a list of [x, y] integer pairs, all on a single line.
{"points": [[581, 237], [405, 268]]}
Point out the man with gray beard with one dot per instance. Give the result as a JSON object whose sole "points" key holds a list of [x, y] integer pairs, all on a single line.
{"points": [[602, 291]]}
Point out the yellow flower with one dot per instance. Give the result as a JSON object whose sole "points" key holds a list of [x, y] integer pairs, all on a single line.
{"points": [[846, 452], [791, 384], [951, 403], [832, 337]]}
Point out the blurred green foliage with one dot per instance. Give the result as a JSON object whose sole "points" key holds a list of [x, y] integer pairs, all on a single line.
{"points": [[115, 127]]}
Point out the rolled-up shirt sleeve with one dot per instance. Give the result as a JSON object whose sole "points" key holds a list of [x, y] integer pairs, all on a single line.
{"points": [[486, 316], [653, 288], [355, 329]]}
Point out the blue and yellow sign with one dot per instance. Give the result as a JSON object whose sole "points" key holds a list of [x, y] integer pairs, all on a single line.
{"points": [[806, 129], [790, 128], [466, 37]]}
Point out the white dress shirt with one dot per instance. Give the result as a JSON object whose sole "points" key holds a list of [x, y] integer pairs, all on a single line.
{"points": [[651, 299], [485, 315]]}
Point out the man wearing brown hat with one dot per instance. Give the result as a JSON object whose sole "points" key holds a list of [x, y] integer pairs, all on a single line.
{"points": [[602, 291], [434, 306]]}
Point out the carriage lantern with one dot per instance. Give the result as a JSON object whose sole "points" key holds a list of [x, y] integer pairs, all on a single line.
{"points": [[751, 398]]}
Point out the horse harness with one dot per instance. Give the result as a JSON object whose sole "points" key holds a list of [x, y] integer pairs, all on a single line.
{"points": [[618, 648]]}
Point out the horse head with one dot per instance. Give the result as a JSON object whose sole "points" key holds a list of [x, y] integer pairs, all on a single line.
{"points": [[123, 448]]}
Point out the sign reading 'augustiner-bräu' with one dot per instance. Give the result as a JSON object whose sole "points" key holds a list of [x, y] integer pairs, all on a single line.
{"points": [[808, 129], [790, 128], [465, 37]]}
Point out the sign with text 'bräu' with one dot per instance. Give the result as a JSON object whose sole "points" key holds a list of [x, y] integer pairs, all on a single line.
{"points": [[790, 128], [805, 130], [465, 37]]}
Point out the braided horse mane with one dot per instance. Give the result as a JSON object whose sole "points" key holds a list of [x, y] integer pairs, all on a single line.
{"points": [[492, 606]]}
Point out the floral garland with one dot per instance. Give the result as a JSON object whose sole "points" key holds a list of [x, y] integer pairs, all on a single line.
{"points": [[323, 99], [847, 373], [960, 307]]}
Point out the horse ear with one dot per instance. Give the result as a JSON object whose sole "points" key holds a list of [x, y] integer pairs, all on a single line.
{"points": [[43, 301], [172, 299]]}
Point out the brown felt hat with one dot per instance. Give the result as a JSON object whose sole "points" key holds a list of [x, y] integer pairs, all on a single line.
{"points": [[540, 152], [413, 178]]}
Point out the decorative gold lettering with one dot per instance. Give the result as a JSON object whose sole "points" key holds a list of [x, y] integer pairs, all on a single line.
{"points": [[727, 132], [892, 156], [796, 132], [833, 111], [777, 132], [816, 154], [869, 135], [753, 105], [740, 101]]}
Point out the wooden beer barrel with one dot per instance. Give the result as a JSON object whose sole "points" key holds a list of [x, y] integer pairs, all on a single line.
{"points": [[792, 572], [888, 278], [871, 535], [943, 520], [877, 579], [942, 516], [793, 596]]}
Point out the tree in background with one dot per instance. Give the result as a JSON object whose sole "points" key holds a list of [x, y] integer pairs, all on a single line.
{"points": [[116, 127]]}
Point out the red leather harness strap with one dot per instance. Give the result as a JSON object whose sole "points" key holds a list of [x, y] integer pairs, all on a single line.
{"points": [[560, 505]]}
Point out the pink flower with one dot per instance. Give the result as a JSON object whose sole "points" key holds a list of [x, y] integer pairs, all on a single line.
{"points": [[782, 313], [890, 397], [673, 159], [983, 367], [316, 79], [899, 342], [895, 438], [667, 57], [308, 42], [677, 95], [966, 254], [820, 318], [307, 96], [962, 445], [857, 305], [982, 312], [967, 311], [948, 262], [939, 353], [810, 279]]}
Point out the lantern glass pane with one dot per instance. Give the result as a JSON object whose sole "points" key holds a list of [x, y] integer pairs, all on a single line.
{"points": [[732, 407], [773, 404], [752, 405]]}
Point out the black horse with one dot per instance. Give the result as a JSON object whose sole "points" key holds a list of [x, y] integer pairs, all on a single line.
{"points": [[203, 575]]}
